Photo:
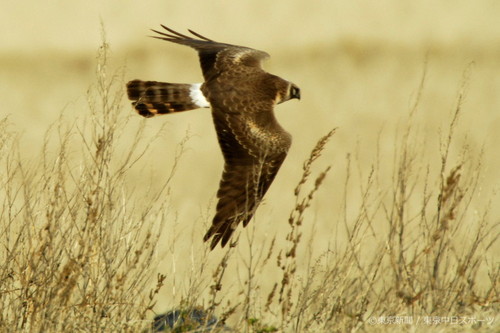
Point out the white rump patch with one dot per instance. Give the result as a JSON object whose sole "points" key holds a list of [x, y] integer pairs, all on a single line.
{"points": [[197, 96]]}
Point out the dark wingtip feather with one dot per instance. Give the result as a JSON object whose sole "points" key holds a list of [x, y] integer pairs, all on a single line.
{"points": [[215, 240], [178, 34], [214, 243], [174, 35], [200, 36], [164, 36], [216, 236]]}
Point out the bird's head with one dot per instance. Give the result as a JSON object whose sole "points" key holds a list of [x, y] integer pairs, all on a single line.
{"points": [[289, 92], [294, 91]]}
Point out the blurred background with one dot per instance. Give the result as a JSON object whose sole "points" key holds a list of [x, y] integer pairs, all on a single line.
{"points": [[359, 65]]}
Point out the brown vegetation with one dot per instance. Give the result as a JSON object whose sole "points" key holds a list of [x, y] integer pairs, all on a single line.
{"points": [[80, 246]]}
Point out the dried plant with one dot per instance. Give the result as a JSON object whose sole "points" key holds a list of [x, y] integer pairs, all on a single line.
{"points": [[409, 238], [75, 254]]}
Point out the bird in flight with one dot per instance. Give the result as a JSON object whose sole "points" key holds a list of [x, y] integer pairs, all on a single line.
{"points": [[242, 97]]}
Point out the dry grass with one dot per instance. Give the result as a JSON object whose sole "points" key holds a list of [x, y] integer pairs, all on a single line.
{"points": [[75, 249], [80, 247]]}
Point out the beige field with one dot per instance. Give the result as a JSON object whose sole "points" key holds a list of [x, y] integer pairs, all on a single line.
{"points": [[103, 212]]}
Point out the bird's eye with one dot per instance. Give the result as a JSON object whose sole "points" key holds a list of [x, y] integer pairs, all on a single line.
{"points": [[295, 92]]}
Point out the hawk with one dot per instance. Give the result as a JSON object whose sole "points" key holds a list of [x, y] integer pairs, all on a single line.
{"points": [[242, 97]]}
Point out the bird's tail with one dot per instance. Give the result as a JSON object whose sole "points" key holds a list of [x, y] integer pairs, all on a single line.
{"points": [[151, 98]]}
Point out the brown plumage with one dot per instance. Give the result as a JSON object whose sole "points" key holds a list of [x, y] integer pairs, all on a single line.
{"points": [[160, 98], [242, 97]]}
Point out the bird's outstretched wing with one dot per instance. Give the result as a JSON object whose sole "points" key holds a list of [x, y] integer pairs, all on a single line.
{"points": [[254, 146], [215, 57]]}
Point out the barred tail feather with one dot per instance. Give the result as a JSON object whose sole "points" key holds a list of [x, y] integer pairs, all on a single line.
{"points": [[151, 98]]}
